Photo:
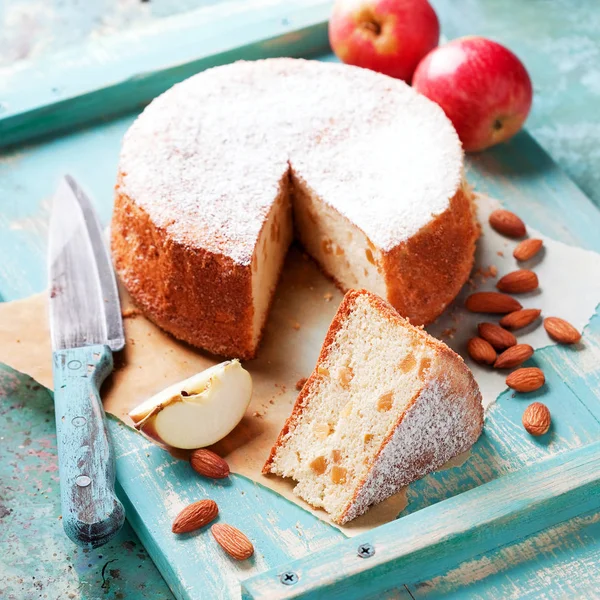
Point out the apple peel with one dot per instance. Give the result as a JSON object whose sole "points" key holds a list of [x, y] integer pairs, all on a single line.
{"points": [[198, 411]]}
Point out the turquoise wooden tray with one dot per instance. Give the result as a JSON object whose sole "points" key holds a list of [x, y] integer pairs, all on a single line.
{"points": [[72, 117]]}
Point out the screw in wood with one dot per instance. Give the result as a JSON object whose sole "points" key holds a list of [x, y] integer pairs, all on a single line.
{"points": [[288, 578], [366, 550]]}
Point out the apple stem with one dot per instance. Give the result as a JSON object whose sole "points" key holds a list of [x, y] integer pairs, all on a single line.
{"points": [[498, 125]]}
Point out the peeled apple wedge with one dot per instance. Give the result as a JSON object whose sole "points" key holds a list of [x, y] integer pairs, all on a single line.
{"points": [[198, 411]]}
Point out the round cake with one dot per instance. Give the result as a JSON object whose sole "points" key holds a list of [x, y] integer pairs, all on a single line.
{"points": [[219, 173]]}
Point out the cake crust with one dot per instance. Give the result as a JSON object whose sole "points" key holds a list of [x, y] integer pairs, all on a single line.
{"points": [[200, 297], [428, 432], [421, 289]]}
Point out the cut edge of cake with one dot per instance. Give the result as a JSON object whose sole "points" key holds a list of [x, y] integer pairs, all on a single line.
{"points": [[416, 411], [235, 308]]}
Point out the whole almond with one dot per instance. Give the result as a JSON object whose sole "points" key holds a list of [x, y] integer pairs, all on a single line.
{"points": [[518, 282], [481, 351], [536, 419], [527, 249], [514, 356], [209, 464], [194, 516], [520, 318], [496, 336], [491, 302], [233, 541], [528, 379], [507, 223], [561, 331]]}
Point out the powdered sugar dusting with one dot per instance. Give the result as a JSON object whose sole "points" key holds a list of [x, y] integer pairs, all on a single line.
{"points": [[445, 420], [207, 158]]}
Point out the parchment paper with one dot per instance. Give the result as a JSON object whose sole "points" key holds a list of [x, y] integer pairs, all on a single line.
{"points": [[302, 311], [304, 305], [569, 288]]}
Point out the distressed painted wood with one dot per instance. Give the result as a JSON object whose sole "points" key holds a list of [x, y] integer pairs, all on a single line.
{"points": [[36, 557], [155, 486], [67, 23], [443, 535], [91, 512], [521, 175], [559, 562], [95, 82]]}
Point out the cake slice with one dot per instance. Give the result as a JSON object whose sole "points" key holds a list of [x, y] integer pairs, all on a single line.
{"points": [[386, 404]]}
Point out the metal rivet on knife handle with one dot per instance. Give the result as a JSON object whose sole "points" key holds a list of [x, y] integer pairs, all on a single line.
{"points": [[83, 481]]}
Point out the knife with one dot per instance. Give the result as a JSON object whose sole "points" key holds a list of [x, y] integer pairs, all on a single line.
{"points": [[85, 328]]}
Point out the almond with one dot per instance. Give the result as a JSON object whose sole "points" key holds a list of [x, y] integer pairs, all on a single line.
{"points": [[527, 249], [491, 302], [520, 318], [494, 334], [561, 331], [536, 419], [194, 516], [514, 356], [233, 541], [507, 223], [518, 282], [481, 351], [528, 379], [209, 464]]}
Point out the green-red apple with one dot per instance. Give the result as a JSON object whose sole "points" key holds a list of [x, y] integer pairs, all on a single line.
{"points": [[482, 86], [388, 36]]}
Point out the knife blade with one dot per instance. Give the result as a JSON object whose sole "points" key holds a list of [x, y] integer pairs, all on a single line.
{"points": [[85, 327]]}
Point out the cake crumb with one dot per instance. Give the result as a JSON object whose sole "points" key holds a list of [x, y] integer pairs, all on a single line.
{"points": [[130, 313], [500, 253], [328, 296], [257, 414], [485, 274], [300, 383], [296, 325], [449, 333]]}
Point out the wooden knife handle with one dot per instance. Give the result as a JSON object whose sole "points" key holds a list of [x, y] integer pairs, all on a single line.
{"points": [[91, 512]]}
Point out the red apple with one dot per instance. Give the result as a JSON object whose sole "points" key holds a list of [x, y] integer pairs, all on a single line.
{"points": [[482, 86], [389, 36]]}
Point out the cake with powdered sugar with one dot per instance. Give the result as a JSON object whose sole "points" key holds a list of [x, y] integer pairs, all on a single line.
{"points": [[219, 173], [386, 404]]}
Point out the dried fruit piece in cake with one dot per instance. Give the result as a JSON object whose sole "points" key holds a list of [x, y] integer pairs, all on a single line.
{"points": [[410, 406]]}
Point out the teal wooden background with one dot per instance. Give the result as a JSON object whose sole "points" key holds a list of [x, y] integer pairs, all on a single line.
{"points": [[559, 563], [558, 40]]}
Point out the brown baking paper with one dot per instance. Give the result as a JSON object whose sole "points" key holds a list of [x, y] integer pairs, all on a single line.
{"points": [[304, 305]]}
